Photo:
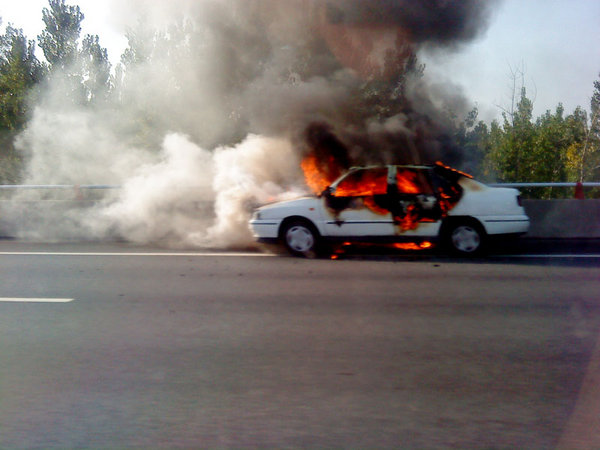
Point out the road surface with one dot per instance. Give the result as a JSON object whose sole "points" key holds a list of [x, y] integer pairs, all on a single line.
{"points": [[138, 347]]}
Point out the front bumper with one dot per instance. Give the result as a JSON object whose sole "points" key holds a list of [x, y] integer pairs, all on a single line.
{"points": [[265, 229]]}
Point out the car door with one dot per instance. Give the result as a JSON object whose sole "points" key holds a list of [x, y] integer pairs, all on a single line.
{"points": [[414, 206], [358, 205]]}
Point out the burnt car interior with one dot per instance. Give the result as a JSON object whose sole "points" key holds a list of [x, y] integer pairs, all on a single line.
{"points": [[411, 195]]}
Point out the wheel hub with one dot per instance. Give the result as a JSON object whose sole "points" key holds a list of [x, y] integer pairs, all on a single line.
{"points": [[300, 239], [466, 239]]}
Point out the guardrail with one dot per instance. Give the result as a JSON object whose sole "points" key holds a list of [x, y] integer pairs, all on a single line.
{"points": [[58, 186], [527, 185], [77, 189], [116, 186]]}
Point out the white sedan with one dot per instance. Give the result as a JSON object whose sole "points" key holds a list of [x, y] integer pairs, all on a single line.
{"points": [[418, 204]]}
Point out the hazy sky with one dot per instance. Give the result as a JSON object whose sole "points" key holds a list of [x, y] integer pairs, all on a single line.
{"points": [[556, 42]]}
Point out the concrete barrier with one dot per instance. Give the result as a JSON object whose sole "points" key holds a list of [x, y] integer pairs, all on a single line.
{"points": [[566, 218]]}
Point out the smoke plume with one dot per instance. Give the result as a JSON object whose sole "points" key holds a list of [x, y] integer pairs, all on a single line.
{"points": [[217, 103]]}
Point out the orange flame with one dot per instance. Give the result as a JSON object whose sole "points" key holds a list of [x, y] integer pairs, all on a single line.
{"points": [[407, 182], [410, 220], [365, 183], [315, 179], [319, 174], [412, 245]]}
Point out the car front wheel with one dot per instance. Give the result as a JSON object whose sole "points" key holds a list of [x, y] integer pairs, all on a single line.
{"points": [[300, 238]]}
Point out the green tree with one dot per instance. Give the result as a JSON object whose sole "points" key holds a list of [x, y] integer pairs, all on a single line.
{"points": [[20, 72], [584, 156], [95, 68], [59, 39], [83, 69], [509, 155], [554, 148]]}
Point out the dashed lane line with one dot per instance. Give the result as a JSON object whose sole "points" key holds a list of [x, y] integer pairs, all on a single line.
{"points": [[250, 254], [35, 300], [563, 256]]}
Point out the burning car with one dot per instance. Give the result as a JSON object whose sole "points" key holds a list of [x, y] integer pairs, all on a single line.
{"points": [[395, 204]]}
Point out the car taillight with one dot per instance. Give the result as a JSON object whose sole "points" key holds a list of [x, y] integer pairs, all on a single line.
{"points": [[519, 201]]}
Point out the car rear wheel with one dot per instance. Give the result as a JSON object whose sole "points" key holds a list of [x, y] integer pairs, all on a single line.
{"points": [[465, 238], [300, 238]]}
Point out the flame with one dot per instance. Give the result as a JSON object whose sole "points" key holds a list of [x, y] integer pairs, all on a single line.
{"points": [[370, 186], [412, 245], [410, 219], [407, 182], [363, 183], [345, 247], [370, 203], [326, 159], [316, 174], [451, 169]]}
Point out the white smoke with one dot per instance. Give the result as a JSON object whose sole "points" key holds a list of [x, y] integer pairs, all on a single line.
{"points": [[194, 197], [177, 140]]}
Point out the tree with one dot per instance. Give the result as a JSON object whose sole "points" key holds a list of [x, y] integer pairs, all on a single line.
{"points": [[511, 144], [95, 69], [584, 158], [20, 72], [59, 39], [85, 71]]}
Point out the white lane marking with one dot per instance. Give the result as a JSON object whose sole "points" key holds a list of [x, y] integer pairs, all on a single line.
{"points": [[225, 254], [132, 254], [35, 300], [533, 255]]}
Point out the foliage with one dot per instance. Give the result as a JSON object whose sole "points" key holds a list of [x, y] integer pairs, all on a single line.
{"points": [[84, 70], [583, 157], [95, 69], [59, 39], [20, 72], [554, 148]]}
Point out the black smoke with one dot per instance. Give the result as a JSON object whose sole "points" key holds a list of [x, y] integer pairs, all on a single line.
{"points": [[427, 21], [419, 120]]}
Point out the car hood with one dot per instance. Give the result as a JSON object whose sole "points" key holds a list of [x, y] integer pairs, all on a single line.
{"points": [[309, 201]]}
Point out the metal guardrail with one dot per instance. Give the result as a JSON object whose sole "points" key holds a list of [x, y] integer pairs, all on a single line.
{"points": [[58, 186], [116, 186], [528, 185], [74, 191]]}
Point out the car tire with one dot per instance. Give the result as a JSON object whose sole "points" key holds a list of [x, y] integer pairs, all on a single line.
{"points": [[465, 238], [300, 238]]}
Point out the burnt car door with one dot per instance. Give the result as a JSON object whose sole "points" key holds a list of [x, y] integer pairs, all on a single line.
{"points": [[412, 198], [359, 204]]}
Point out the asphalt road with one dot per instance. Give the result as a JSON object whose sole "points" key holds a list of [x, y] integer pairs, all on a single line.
{"points": [[147, 347]]}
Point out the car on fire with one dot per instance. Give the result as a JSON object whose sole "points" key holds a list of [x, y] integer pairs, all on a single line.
{"points": [[394, 204]]}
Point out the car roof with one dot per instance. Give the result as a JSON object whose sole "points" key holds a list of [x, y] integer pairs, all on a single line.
{"points": [[437, 165], [404, 166]]}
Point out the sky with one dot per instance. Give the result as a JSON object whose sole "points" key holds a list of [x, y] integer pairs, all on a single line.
{"points": [[554, 44]]}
